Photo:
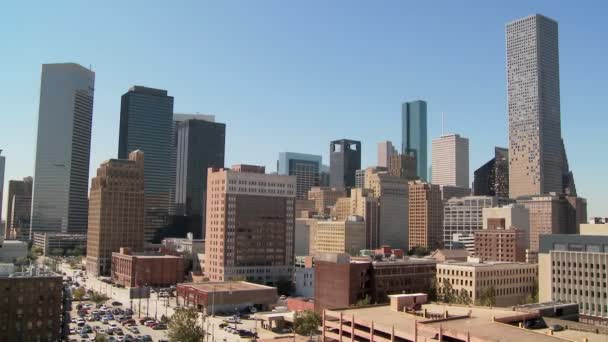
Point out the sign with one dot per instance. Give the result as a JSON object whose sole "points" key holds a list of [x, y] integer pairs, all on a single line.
{"points": [[139, 292]]}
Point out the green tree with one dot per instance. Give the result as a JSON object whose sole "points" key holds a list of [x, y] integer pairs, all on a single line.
{"points": [[101, 338], [37, 250], [463, 297], [78, 293], [306, 323], [488, 297], [447, 292], [419, 251], [433, 289], [99, 298], [184, 327], [57, 251], [364, 301], [77, 251]]}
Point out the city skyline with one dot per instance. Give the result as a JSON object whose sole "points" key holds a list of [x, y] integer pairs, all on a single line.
{"points": [[20, 160]]}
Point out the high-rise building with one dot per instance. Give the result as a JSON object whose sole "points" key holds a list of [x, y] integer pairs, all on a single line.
{"points": [[535, 145], [450, 160], [344, 161], [324, 198], [425, 215], [414, 134], [146, 121], [2, 165], [362, 202], [465, 215], [385, 151], [392, 194], [200, 145], [403, 166], [116, 211], [19, 208], [360, 178], [63, 146], [344, 236], [250, 226], [492, 178], [306, 168]]}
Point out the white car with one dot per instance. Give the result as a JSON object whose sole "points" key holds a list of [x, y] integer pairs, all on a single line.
{"points": [[113, 325]]}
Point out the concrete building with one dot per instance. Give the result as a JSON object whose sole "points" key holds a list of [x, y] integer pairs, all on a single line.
{"points": [[425, 216], [510, 282], [63, 145], [11, 250], [146, 124], [189, 247], [2, 166], [225, 297], [304, 277], [442, 255], [448, 192], [19, 209], [536, 152], [116, 211], [306, 168], [392, 195], [464, 241], [250, 226], [50, 242], [450, 161], [414, 135], [344, 161], [200, 145], [363, 203], [146, 269], [325, 198], [32, 306], [385, 151], [302, 236], [465, 215], [572, 268], [403, 166], [505, 235], [346, 236], [360, 178], [492, 178]]}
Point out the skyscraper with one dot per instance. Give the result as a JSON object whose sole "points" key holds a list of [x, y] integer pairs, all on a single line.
{"points": [[385, 151], [116, 211], [18, 208], [425, 215], [344, 161], [392, 194], [2, 162], [414, 134], [200, 145], [306, 168], [492, 178], [451, 161], [146, 119], [535, 147], [63, 146]]}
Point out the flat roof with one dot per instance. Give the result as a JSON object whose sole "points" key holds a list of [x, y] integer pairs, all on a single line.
{"points": [[483, 264], [226, 286]]}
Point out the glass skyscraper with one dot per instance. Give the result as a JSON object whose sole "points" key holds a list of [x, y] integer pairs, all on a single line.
{"points": [[306, 168], [146, 124], [61, 176], [344, 161], [414, 134]]}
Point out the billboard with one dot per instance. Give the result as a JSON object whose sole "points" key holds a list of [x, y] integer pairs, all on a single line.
{"points": [[139, 292]]}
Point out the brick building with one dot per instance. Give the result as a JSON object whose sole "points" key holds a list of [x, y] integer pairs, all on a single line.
{"points": [[501, 244], [225, 297], [425, 215], [132, 270]]}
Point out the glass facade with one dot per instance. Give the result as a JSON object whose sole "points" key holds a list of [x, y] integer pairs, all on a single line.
{"points": [[414, 134], [305, 167]]}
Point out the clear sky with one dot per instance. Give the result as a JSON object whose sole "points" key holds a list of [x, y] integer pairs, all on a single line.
{"points": [[293, 75]]}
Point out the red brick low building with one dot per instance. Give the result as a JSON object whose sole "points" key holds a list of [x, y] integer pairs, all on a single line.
{"points": [[224, 297], [300, 304], [146, 269]]}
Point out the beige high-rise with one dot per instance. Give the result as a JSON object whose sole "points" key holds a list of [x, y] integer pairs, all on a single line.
{"points": [[392, 194], [250, 226], [403, 166], [347, 236], [361, 202], [450, 161], [116, 211], [324, 198], [425, 215]]}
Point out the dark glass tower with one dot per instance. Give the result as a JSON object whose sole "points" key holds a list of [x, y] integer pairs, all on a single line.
{"points": [[200, 145], [146, 118], [492, 178], [344, 161], [414, 134]]}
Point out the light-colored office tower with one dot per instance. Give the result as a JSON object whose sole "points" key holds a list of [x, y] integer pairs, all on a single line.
{"points": [[572, 268], [385, 151], [325, 198], [403, 166], [361, 202], [392, 195], [510, 282], [535, 147], [250, 226], [464, 241], [2, 165], [19, 208], [63, 146], [116, 211], [465, 215], [360, 178], [414, 135], [347, 236], [425, 215], [450, 161], [507, 216], [306, 168], [302, 236]]}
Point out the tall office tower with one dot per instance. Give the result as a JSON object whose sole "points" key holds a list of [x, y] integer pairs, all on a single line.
{"points": [[492, 178], [2, 163], [61, 176], [146, 119], [324, 198], [116, 211], [362, 202], [450, 160], [535, 155], [403, 166], [337, 236], [200, 145], [414, 134], [425, 215], [306, 168], [464, 216], [385, 151], [392, 195], [250, 226], [359, 178], [18, 208], [344, 161]]}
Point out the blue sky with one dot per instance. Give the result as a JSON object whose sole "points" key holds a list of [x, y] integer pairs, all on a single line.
{"points": [[291, 76]]}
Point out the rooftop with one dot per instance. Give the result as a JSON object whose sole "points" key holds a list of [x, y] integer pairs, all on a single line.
{"points": [[483, 264], [227, 286]]}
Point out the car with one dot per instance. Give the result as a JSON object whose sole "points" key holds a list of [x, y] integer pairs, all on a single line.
{"points": [[223, 325], [119, 332], [147, 323], [79, 307], [556, 327], [135, 330], [128, 312], [104, 321], [72, 332], [160, 326], [116, 303], [144, 320], [246, 333], [127, 321], [83, 334], [152, 325], [120, 339], [113, 325]]}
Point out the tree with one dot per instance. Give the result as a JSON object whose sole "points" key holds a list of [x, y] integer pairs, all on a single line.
{"points": [[364, 301], [73, 264], [463, 297], [433, 290], [419, 251], [184, 327], [307, 322], [57, 251], [37, 250], [101, 338], [77, 251], [488, 297], [78, 293], [99, 298], [447, 292]]}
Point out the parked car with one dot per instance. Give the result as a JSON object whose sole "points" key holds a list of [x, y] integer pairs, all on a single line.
{"points": [[160, 326], [144, 320], [116, 303], [556, 327]]}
